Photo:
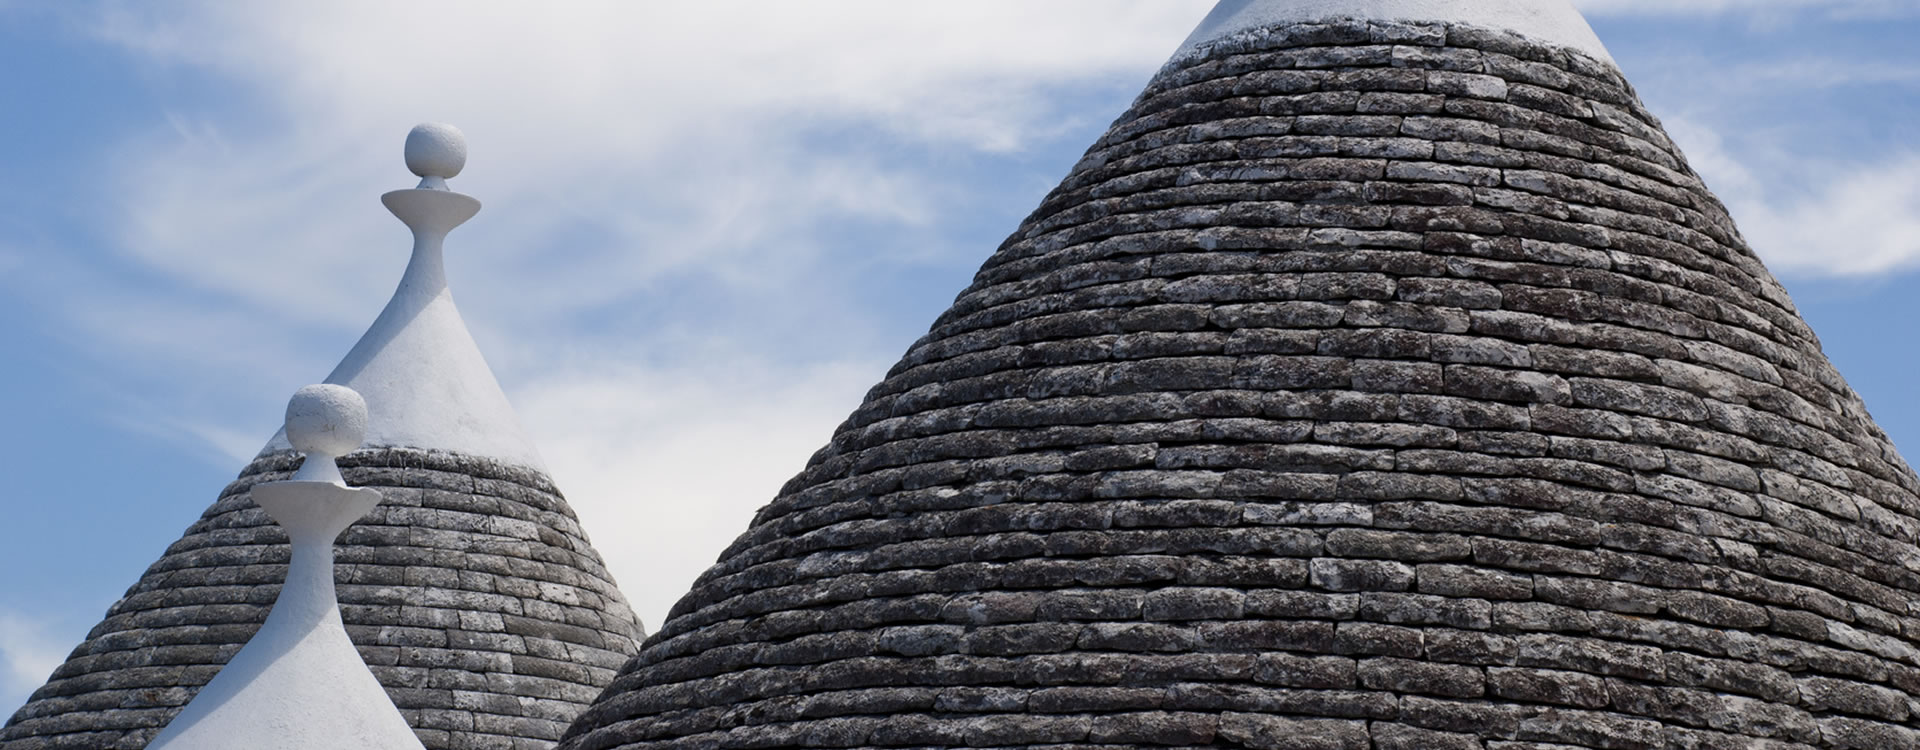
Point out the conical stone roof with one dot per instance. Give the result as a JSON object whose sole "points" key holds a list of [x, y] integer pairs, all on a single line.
{"points": [[1375, 383], [471, 590]]}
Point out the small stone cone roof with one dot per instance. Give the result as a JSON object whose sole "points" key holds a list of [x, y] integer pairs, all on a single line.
{"points": [[471, 591], [1373, 383]]}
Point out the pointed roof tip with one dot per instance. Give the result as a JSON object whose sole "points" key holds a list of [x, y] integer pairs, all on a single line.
{"points": [[298, 682], [423, 378], [1554, 22]]}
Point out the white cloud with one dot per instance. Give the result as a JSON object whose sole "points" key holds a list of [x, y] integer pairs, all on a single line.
{"points": [[28, 654], [666, 466], [667, 185], [1760, 10], [611, 76], [714, 153], [691, 144], [1816, 73], [1841, 219]]}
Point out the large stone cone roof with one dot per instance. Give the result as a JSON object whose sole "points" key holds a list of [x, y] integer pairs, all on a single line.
{"points": [[1367, 385], [471, 592]]}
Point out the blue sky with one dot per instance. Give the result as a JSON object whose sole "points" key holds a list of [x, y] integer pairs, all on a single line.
{"points": [[709, 228]]}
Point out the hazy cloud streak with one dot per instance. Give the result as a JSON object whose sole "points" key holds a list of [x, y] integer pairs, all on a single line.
{"points": [[28, 654], [1846, 219], [1761, 11]]}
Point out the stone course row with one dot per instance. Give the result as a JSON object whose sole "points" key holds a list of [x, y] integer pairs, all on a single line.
{"points": [[470, 590]]}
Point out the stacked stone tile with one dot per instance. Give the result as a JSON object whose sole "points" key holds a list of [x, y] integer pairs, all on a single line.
{"points": [[471, 591], [1367, 385]]}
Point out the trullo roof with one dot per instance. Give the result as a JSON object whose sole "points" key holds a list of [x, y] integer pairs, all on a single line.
{"points": [[471, 590], [1382, 379]]}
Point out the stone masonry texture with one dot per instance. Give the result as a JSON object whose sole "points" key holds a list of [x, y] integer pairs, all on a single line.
{"points": [[471, 592], [1365, 387]]}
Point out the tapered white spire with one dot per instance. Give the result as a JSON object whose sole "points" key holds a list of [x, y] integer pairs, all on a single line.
{"points": [[424, 379], [1554, 22], [299, 684]]}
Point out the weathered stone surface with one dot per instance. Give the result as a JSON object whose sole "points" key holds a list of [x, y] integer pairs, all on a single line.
{"points": [[1365, 386], [471, 592]]}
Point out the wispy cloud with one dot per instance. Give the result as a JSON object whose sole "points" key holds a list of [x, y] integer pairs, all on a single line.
{"points": [[28, 654], [666, 465], [1759, 10], [1736, 81], [1822, 73], [680, 201], [1802, 142], [1841, 219], [620, 147]]}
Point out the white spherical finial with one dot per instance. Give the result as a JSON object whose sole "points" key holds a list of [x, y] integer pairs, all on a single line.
{"points": [[326, 419], [436, 150]]}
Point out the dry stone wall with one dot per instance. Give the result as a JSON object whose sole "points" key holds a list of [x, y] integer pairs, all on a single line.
{"points": [[471, 591], [1366, 387]]}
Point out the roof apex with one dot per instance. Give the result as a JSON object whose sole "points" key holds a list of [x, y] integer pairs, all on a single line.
{"points": [[298, 683], [424, 380], [1551, 21]]}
